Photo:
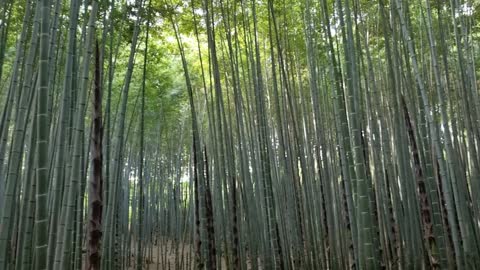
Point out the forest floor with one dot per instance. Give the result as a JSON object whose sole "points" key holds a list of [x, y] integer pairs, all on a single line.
{"points": [[166, 255]]}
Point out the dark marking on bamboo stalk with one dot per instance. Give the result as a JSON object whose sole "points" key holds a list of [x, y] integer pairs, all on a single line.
{"points": [[198, 243], [236, 259], [209, 216], [394, 225], [279, 247], [444, 208], [300, 218], [95, 191], [374, 205], [347, 217], [425, 209], [324, 211]]}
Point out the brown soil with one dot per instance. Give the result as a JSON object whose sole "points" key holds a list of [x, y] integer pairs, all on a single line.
{"points": [[168, 256]]}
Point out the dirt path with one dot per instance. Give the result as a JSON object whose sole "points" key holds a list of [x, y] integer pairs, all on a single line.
{"points": [[166, 255]]}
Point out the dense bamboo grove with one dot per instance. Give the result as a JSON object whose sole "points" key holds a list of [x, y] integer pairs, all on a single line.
{"points": [[239, 134]]}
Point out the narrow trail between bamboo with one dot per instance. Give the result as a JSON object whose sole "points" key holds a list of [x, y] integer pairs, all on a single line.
{"points": [[168, 255]]}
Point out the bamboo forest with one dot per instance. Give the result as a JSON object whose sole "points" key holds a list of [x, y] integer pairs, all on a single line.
{"points": [[239, 134]]}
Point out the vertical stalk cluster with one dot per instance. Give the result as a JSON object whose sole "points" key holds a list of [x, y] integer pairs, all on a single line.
{"points": [[331, 134]]}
